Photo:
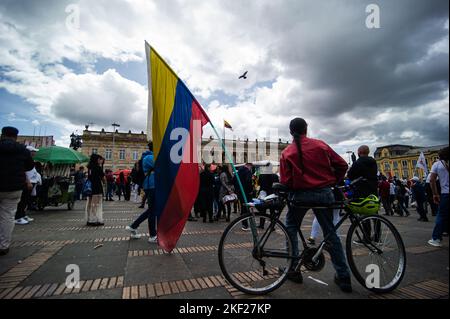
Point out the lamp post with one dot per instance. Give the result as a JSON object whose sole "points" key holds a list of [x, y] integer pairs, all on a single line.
{"points": [[349, 157], [114, 125]]}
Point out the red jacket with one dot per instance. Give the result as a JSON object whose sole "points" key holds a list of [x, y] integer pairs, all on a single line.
{"points": [[323, 167], [384, 189]]}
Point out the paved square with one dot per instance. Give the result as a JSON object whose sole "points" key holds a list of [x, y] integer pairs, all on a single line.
{"points": [[114, 266]]}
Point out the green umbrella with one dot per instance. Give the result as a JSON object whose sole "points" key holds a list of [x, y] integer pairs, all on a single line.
{"points": [[59, 155]]}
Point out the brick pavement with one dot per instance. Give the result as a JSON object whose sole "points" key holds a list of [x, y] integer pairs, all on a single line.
{"points": [[113, 266]]}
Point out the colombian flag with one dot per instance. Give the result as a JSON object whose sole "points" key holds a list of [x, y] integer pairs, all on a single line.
{"points": [[177, 182], [227, 125]]}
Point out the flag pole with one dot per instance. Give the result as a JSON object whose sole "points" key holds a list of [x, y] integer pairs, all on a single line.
{"points": [[231, 161]]}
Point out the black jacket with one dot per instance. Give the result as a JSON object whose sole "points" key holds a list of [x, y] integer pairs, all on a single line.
{"points": [[245, 175], [366, 167], [15, 160]]}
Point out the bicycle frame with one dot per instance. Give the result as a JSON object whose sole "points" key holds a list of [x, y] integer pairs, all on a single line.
{"points": [[259, 252]]}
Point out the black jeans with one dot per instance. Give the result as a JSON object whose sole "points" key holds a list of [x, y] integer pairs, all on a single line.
{"points": [[386, 205], [420, 205], [244, 208], [22, 206], [148, 214]]}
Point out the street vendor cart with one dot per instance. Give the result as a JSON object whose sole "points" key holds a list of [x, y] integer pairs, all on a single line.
{"points": [[58, 186]]}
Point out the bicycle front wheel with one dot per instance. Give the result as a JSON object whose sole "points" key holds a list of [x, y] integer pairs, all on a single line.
{"points": [[376, 254], [247, 270]]}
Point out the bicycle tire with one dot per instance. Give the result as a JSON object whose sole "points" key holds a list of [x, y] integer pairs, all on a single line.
{"points": [[224, 270], [351, 261]]}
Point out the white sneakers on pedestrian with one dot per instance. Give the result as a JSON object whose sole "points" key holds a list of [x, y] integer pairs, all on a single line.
{"points": [[435, 242], [153, 239], [134, 233], [21, 221], [28, 219]]}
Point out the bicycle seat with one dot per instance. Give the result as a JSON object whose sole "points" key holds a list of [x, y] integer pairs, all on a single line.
{"points": [[280, 187]]}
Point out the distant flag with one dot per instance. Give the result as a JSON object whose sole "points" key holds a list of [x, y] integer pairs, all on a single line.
{"points": [[422, 163], [227, 125], [172, 106]]}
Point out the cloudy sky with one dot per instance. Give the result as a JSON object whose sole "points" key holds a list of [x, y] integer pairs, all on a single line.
{"points": [[313, 59]]}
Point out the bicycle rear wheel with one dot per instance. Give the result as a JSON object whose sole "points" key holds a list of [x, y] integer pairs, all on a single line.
{"points": [[376, 254], [247, 271]]}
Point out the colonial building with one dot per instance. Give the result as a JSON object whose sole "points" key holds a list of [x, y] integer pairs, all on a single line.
{"points": [[242, 151], [400, 160], [36, 141], [120, 150], [128, 147]]}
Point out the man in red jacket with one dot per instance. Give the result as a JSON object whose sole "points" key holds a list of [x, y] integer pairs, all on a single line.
{"points": [[310, 167]]}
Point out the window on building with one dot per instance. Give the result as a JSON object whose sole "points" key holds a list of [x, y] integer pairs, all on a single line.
{"points": [[395, 164], [94, 151], [414, 163], [108, 154], [405, 164], [405, 174], [122, 155], [135, 155], [387, 167]]}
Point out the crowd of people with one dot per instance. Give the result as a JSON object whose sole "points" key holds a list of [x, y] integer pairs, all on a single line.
{"points": [[309, 167]]}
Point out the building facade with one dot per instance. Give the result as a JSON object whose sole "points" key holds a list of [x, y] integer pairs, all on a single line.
{"points": [[120, 150], [128, 148], [36, 141], [401, 160]]}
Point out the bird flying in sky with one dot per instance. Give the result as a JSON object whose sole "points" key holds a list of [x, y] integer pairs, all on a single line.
{"points": [[244, 76]]}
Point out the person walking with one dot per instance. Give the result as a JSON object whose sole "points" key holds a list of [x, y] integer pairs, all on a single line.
{"points": [[121, 185], [429, 194], [206, 193], [109, 185], [392, 196], [384, 190], [94, 204], [79, 177], [310, 168], [148, 167], [418, 192], [440, 170], [226, 190], [15, 160], [400, 192]]}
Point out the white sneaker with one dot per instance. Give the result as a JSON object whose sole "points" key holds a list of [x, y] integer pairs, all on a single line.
{"points": [[21, 221], [131, 230], [245, 228], [153, 240], [134, 234], [435, 242], [28, 218]]}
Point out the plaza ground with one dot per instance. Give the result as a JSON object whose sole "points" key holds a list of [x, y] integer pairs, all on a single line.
{"points": [[114, 266]]}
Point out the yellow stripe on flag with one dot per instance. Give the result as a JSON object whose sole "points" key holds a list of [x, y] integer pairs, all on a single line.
{"points": [[164, 84]]}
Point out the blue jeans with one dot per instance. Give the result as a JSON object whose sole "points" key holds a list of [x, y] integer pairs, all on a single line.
{"points": [[294, 219], [441, 218], [109, 190], [148, 214]]}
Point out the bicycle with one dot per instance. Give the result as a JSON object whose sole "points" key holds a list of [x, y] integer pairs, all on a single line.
{"points": [[260, 264]]}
